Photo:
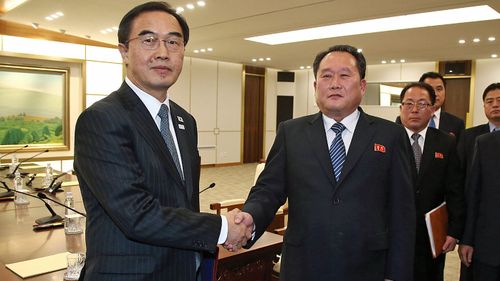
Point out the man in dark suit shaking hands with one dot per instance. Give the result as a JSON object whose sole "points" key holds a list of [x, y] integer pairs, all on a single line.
{"points": [[437, 177], [138, 164], [346, 175]]}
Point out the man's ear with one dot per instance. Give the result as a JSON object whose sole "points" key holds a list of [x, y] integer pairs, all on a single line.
{"points": [[363, 87], [124, 52]]}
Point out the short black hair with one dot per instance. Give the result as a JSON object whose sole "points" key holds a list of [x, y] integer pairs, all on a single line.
{"points": [[360, 59], [421, 85], [491, 87], [126, 22], [432, 75]]}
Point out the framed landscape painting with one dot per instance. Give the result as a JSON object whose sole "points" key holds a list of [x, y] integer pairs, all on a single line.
{"points": [[34, 105]]}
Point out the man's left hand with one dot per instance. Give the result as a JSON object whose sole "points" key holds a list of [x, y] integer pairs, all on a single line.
{"points": [[449, 244]]}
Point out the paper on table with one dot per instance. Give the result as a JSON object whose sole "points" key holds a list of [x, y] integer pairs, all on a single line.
{"points": [[69, 183], [39, 266], [29, 167]]}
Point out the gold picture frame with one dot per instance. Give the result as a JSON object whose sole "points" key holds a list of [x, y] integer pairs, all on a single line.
{"points": [[34, 108]]}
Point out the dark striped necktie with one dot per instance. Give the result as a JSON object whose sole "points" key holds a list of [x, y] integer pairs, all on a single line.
{"points": [[337, 150]]}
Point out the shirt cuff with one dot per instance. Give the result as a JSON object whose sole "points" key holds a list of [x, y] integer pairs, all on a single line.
{"points": [[223, 230]]}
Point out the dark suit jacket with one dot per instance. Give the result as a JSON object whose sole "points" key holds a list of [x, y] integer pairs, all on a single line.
{"points": [[451, 124], [143, 221], [439, 180], [482, 228], [448, 123], [466, 145], [361, 228]]}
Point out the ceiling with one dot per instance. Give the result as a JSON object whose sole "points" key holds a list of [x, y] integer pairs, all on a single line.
{"points": [[223, 25]]}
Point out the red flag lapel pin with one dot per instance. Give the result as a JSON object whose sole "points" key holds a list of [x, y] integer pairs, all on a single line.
{"points": [[438, 155], [379, 148]]}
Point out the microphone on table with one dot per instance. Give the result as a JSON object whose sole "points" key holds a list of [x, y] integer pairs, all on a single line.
{"points": [[50, 219], [30, 182], [212, 185], [14, 151], [42, 196], [54, 187], [12, 175]]}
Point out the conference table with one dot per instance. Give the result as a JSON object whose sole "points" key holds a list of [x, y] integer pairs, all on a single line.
{"points": [[19, 242]]}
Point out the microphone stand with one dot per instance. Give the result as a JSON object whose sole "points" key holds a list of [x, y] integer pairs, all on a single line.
{"points": [[50, 219], [54, 187], [7, 166], [30, 182], [42, 196], [12, 175], [212, 185]]}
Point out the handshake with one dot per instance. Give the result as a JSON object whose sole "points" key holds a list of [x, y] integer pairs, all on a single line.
{"points": [[240, 228]]}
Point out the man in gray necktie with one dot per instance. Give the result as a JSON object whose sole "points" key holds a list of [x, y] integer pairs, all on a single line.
{"points": [[436, 177]]}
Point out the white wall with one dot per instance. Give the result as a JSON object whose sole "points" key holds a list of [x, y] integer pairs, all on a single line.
{"points": [[212, 92]]}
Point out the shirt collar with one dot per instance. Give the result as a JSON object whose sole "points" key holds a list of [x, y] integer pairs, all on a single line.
{"points": [[437, 113], [350, 121], [151, 103], [421, 133], [491, 126]]}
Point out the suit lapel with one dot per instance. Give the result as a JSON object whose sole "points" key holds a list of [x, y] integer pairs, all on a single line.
{"points": [[182, 140], [317, 138], [485, 129], [148, 129], [363, 135]]}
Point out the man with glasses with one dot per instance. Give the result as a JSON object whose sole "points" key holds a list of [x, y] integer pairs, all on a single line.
{"points": [[436, 177], [491, 105], [440, 119], [138, 164]]}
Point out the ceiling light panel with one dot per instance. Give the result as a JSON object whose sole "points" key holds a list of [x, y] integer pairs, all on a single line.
{"points": [[419, 20], [54, 16]]}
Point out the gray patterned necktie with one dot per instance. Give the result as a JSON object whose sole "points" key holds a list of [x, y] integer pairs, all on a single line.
{"points": [[417, 151], [167, 137], [337, 150]]}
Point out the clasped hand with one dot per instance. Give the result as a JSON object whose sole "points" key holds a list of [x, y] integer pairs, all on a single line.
{"points": [[240, 228]]}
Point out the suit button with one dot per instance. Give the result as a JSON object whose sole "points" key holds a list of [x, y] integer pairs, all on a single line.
{"points": [[336, 201]]}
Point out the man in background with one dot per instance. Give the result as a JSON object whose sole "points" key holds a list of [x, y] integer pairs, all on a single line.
{"points": [[479, 245], [346, 175], [138, 165], [437, 178], [491, 105], [441, 119]]}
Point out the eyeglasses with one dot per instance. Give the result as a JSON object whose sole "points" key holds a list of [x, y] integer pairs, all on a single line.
{"points": [[152, 42], [409, 105]]}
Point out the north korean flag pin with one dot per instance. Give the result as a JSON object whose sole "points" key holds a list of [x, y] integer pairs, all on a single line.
{"points": [[379, 148], [438, 155]]}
